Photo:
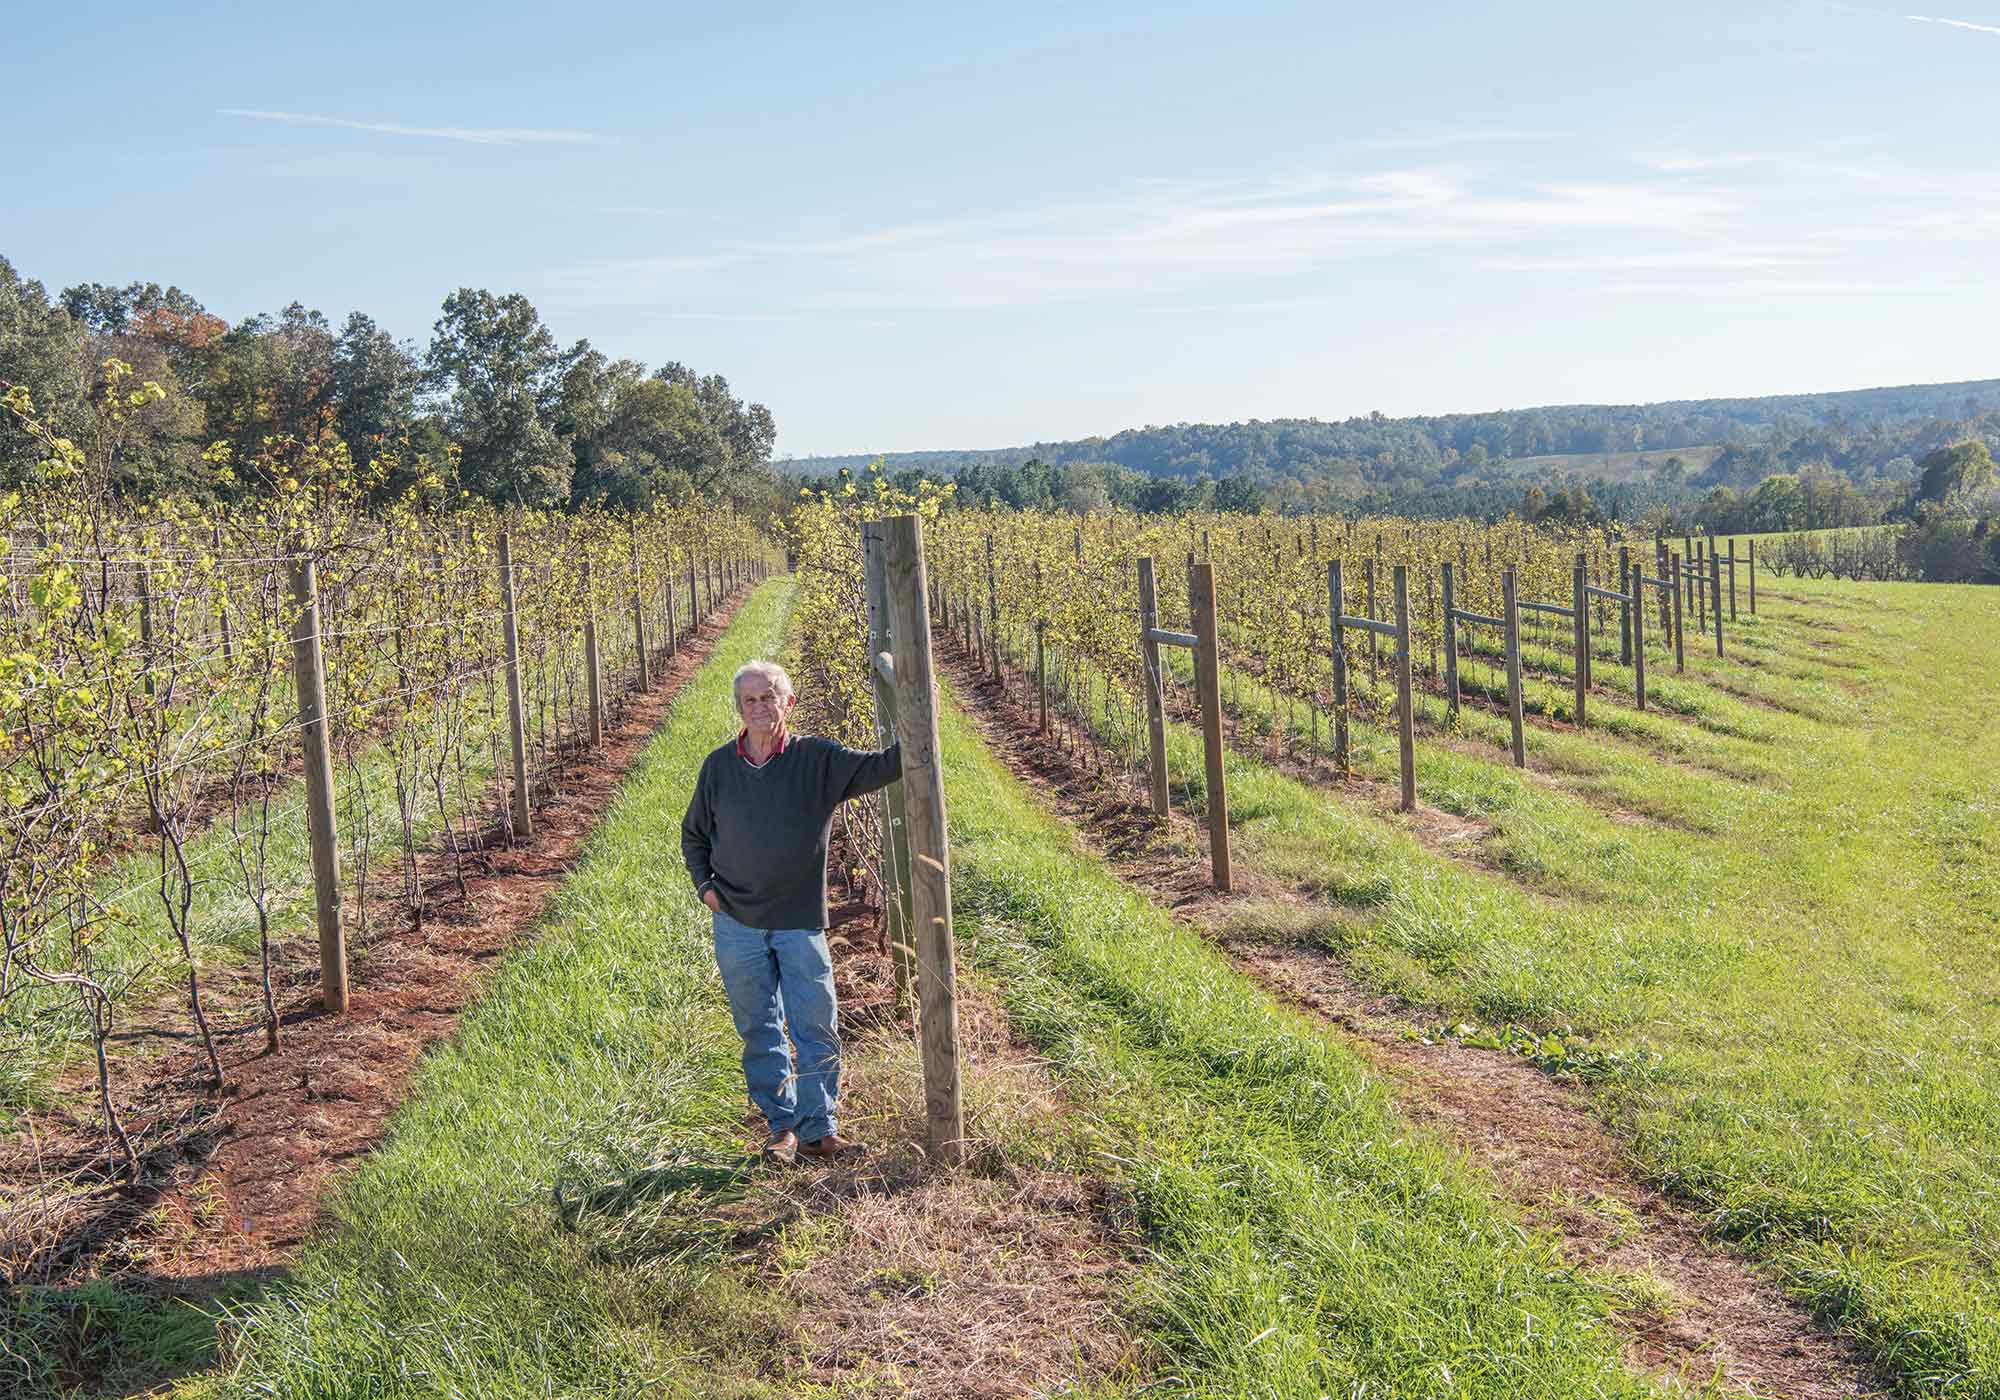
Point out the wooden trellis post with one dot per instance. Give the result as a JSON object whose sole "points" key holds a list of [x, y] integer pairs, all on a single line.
{"points": [[1336, 605], [992, 610], [1450, 641], [1679, 576], [524, 824], [1579, 591], [916, 724], [1511, 617], [1405, 726], [1628, 585], [895, 816], [1156, 710], [1208, 683], [309, 673], [593, 664], [639, 616]]}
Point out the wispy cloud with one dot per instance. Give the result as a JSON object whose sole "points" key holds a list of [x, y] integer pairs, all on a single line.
{"points": [[1196, 247], [1955, 23], [478, 135]]}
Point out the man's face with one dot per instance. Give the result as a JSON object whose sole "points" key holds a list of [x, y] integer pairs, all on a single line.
{"points": [[763, 708]]}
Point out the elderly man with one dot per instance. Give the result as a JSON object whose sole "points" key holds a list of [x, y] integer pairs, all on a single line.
{"points": [[754, 839]]}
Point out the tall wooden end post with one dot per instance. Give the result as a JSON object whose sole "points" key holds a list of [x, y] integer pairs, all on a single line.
{"points": [[1450, 642], [1208, 681], [930, 851], [1406, 737], [1156, 707], [895, 815], [1753, 577], [309, 671], [524, 824], [1511, 613]]}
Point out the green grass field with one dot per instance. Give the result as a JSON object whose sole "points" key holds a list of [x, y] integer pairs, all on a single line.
{"points": [[1759, 925]]}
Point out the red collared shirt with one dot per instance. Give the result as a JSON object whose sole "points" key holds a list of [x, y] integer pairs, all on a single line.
{"points": [[784, 743]]}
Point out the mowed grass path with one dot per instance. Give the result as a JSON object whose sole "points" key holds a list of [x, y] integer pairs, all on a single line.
{"points": [[1302, 1239], [1765, 923]]}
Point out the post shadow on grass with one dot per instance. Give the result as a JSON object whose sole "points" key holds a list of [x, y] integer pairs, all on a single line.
{"points": [[129, 1335], [665, 1210]]}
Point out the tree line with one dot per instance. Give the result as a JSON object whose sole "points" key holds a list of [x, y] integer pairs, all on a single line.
{"points": [[493, 403]]}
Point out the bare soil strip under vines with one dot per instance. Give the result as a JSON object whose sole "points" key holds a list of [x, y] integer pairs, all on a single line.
{"points": [[233, 1179], [1537, 1140]]}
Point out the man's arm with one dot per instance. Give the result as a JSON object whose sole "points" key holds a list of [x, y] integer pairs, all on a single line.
{"points": [[698, 841], [858, 772]]}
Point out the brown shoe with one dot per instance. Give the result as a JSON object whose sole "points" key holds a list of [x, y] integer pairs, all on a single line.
{"points": [[782, 1148], [831, 1147]]}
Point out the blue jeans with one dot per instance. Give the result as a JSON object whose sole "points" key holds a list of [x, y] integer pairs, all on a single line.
{"points": [[781, 980]]}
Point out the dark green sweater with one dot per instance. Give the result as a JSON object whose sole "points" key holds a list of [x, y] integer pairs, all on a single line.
{"points": [[758, 835]]}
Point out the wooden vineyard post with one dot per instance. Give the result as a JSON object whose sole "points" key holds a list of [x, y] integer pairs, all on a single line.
{"points": [[1337, 603], [673, 623], [222, 607], [1041, 658], [1368, 584], [1700, 584], [1732, 578], [1660, 568], [593, 665], [1680, 635], [517, 724], [1715, 588], [694, 594], [639, 616], [1156, 711], [1208, 682], [930, 851], [992, 611], [1639, 637], [1628, 586], [1581, 630], [1511, 612], [144, 580], [895, 817], [1450, 643], [309, 671], [1405, 720], [1753, 577]]}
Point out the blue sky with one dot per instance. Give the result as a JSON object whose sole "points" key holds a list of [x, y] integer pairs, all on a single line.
{"points": [[979, 225]]}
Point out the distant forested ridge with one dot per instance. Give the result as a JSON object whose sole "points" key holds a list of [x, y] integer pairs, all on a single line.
{"points": [[1467, 462]]}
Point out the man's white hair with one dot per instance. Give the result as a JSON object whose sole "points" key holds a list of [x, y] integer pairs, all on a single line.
{"points": [[769, 670]]}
